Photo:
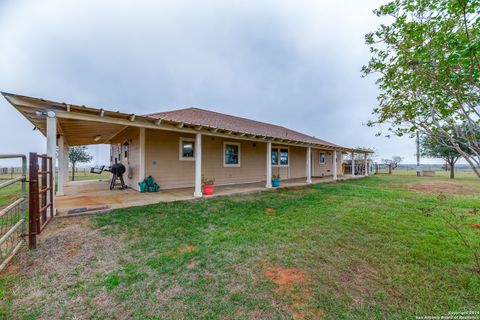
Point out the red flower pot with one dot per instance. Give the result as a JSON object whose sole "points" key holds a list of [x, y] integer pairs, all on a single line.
{"points": [[208, 189]]}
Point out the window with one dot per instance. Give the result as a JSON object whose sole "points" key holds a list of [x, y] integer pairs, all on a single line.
{"points": [[119, 152], [115, 153], [280, 157], [125, 150], [275, 157], [284, 157], [187, 149], [231, 154], [321, 157]]}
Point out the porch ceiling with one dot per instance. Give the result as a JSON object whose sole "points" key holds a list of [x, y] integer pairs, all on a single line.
{"points": [[80, 132], [75, 132]]}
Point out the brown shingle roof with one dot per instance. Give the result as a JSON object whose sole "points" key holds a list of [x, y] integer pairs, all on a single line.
{"points": [[189, 116], [206, 118]]}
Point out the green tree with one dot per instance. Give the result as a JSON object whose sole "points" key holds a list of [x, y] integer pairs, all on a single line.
{"points": [[432, 148], [441, 147], [427, 62], [78, 155]]}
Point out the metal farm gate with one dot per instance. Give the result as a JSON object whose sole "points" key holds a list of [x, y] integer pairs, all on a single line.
{"points": [[13, 216], [40, 195]]}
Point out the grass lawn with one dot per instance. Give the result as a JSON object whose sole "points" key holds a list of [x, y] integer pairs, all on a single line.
{"points": [[359, 249]]}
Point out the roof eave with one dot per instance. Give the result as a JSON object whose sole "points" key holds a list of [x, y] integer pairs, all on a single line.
{"points": [[62, 106]]}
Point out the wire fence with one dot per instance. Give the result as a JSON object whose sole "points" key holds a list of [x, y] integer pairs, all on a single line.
{"points": [[7, 173], [13, 213]]}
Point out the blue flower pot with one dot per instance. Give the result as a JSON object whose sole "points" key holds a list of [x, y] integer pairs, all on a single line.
{"points": [[275, 183]]}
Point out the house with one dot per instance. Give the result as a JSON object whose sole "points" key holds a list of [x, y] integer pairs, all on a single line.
{"points": [[180, 147]]}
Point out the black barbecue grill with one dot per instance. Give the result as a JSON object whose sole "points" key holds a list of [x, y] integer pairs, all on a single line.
{"points": [[117, 171]]}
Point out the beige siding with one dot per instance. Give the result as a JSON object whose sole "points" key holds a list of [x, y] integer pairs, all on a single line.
{"points": [[297, 163], [252, 161], [320, 170], [132, 136], [162, 154], [162, 160]]}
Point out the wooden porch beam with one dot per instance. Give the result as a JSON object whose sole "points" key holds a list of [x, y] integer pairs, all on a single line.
{"points": [[109, 139], [154, 124]]}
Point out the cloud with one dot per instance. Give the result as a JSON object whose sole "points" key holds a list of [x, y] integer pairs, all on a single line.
{"points": [[294, 63]]}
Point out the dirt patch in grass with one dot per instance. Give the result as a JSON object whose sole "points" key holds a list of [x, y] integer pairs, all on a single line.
{"points": [[69, 254], [447, 187], [286, 278], [294, 286], [10, 269], [186, 249], [475, 225], [192, 264], [270, 211], [292, 188], [9, 196], [72, 249]]}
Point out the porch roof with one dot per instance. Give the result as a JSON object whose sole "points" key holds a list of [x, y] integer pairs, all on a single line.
{"points": [[82, 125]]}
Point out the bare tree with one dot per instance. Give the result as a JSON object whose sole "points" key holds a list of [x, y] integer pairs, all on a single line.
{"points": [[393, 163]]}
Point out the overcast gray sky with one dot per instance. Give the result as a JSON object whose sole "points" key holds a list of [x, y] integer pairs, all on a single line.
{"points": [[293, 63]]}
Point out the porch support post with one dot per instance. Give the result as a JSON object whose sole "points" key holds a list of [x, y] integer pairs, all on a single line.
{"points": [[366, 165], [268, 183], [353, 164], [52, 151], [334, 165], [141, 172], [309, 164], [61, 166], [198, 165], [66, 161]]}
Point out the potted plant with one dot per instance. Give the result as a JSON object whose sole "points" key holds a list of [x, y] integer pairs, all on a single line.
{"points": [[276, 180], [208, 186]]}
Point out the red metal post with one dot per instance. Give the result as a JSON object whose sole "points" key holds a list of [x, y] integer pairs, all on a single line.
{"points": [[43, 195], [33, 201], [52, 187]]}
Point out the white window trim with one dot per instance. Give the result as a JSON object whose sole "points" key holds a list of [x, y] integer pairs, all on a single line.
{"points": [[180, 149], [278, 150], [225, 143], [324, 158]]}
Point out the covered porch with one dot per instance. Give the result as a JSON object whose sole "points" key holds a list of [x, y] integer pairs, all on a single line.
{"points": [[181, 147], [85, 197]]}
